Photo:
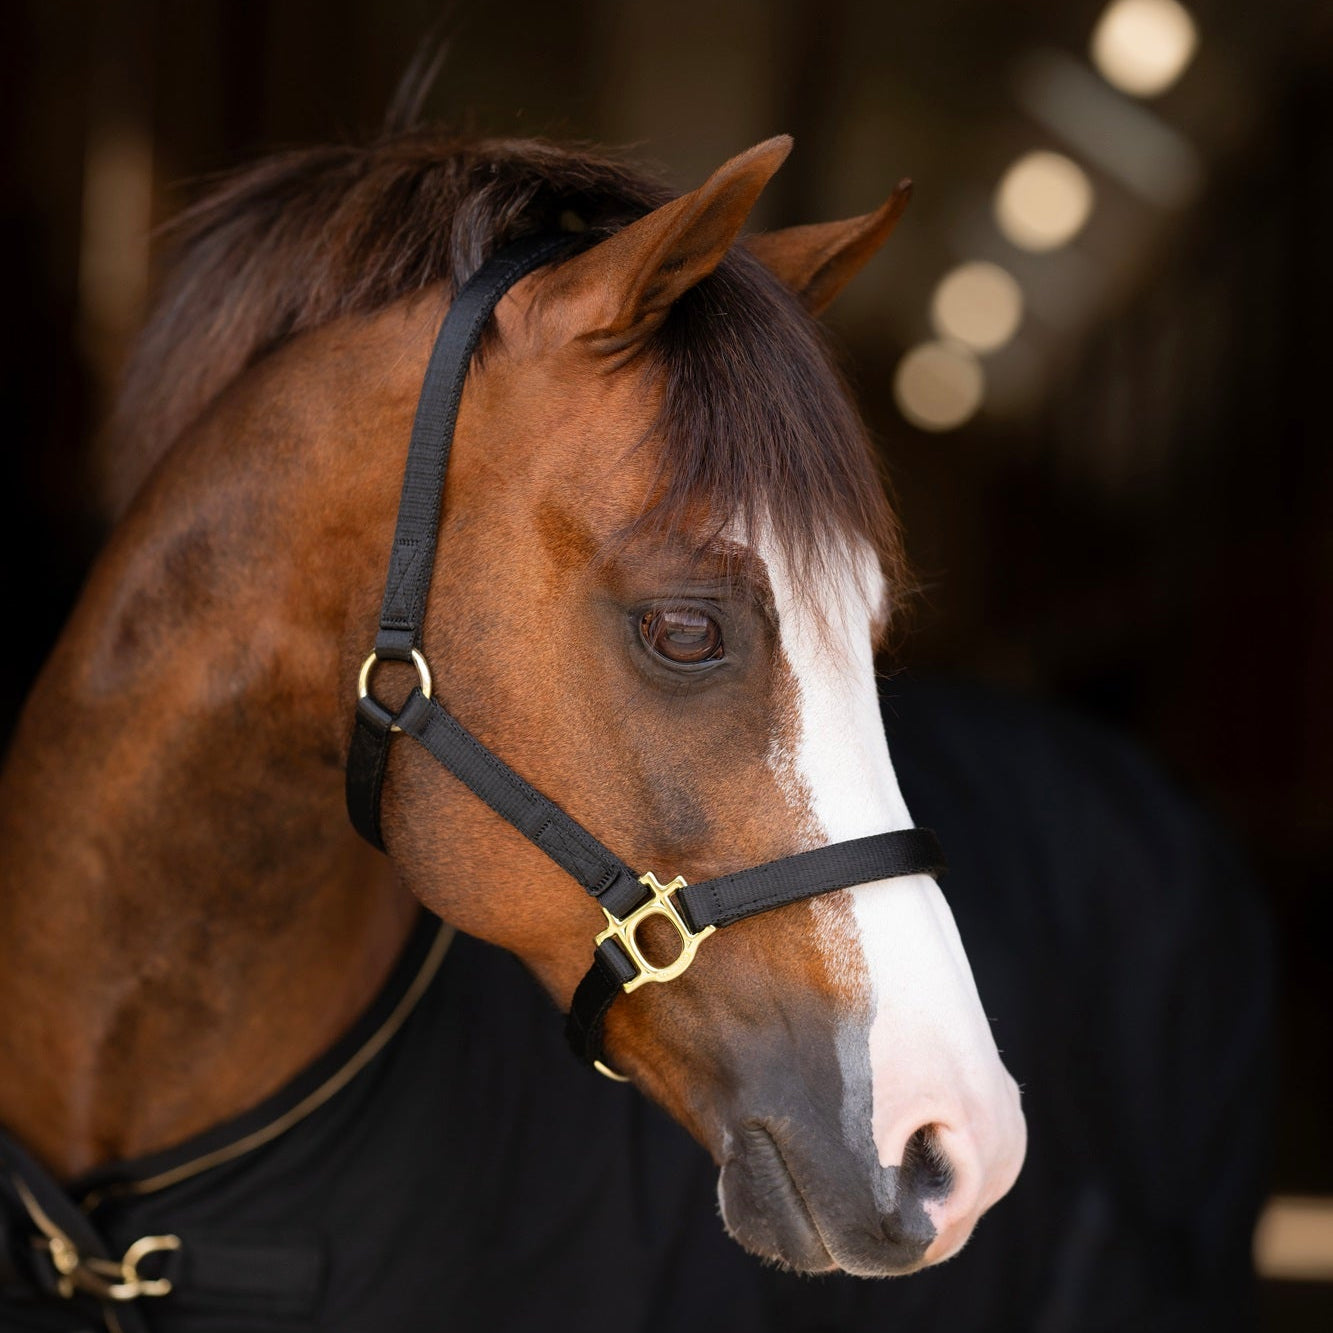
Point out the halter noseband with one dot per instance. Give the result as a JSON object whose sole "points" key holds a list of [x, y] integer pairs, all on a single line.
{"points": [[695, 911]]}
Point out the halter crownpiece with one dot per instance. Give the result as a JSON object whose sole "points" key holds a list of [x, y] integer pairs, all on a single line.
{"points": [[694, 911]]}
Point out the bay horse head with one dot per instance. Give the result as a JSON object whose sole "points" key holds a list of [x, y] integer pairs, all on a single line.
{"points": [[665, 564]]}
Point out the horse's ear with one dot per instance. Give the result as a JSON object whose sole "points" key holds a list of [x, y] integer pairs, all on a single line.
{"points": [[818, 261], [619, 291]]}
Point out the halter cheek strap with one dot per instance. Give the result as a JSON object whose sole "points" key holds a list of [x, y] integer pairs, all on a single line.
{"points": [[695, 911]]}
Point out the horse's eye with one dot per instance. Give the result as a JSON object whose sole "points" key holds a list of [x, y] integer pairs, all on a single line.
{"points": [[682, 634]]}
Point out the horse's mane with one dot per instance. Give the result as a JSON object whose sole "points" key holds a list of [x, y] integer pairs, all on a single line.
{"points": [[756, 421]]}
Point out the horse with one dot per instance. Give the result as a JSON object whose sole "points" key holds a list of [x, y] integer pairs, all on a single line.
{"points": [[666, 561]]}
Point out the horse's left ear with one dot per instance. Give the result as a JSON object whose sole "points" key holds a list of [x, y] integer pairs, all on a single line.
{"points": [[615, 294], [818, 261]]}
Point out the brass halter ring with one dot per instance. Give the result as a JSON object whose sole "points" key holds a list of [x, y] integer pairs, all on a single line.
{"points": [[363, 679]]}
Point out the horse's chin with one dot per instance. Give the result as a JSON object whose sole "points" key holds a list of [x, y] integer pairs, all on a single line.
{"points": [[766, 1212]]}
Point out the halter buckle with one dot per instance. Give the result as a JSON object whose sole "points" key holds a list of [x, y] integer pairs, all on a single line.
{"points": [[662, 904], [106, 1279]]}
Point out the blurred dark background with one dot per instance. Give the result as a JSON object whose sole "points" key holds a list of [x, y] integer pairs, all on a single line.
{"points": [[1120, 498]]}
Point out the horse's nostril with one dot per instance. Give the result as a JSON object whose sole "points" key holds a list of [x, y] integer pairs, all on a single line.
{"points": [[926, 1170]]}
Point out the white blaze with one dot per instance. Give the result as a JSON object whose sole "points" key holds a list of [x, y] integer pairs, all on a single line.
{"points": [[932, 1057]]}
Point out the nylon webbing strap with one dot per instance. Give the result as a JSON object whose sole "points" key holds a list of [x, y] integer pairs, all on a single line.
{"points": [[537, 817], [416, 534], [414, 540], [728, 898], [719, 902]]}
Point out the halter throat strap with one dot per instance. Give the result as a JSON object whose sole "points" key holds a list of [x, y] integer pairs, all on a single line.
{"points": [[694, 910]]}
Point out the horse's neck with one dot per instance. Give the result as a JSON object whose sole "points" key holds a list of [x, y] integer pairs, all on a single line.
{"points": [[185, 917]]}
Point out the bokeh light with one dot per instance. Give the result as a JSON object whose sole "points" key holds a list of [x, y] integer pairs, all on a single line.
{"points": [[1143, 46], [979, 304], [938, 385], [1043, 200]]}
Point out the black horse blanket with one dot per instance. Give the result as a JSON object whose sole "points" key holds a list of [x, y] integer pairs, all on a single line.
{"points": [[468, 1174]]}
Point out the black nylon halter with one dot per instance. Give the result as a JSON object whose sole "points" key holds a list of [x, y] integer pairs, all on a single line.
{"points": [[694, 910]]}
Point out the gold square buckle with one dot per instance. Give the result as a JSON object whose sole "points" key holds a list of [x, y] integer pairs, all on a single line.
{"points": [[660, 904]]}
